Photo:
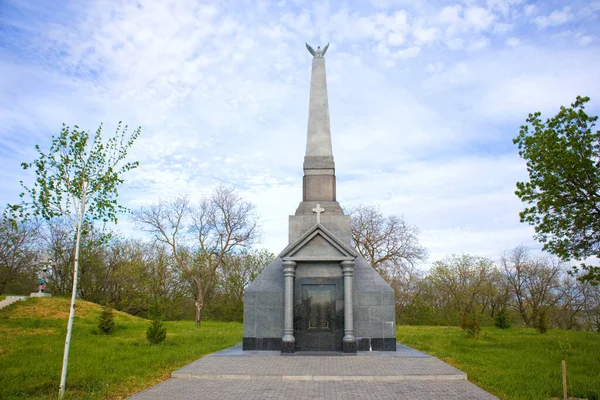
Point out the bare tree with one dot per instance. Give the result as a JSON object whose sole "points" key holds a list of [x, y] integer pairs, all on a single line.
{"points": [[592, 306], [389, 244], [533, 281], [17, 256], [570, 304], [201, 236]]}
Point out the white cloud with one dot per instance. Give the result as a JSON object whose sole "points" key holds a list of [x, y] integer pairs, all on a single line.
{"points": [[555, 18], [455, 44], [478, 43], [529, 10], [502, 28], [409, 52], [451, 14], [479, 18], [513, 42], [586, 39], [503, 6], [435, 67], [424, 35], [222, 97]]}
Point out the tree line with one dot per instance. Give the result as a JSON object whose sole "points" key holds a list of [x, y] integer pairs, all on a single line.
{"points": [[531, 289], [127, 273], [133, 274]]}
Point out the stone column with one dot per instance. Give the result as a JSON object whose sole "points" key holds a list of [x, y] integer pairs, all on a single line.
{"points": [[349, 341], [288, 340]]}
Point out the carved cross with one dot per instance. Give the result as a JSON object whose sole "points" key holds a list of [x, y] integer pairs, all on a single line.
{"points": [[318, 209]]}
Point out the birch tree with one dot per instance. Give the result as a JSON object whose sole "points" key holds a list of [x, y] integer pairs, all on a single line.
{"points": [[77, 179]]}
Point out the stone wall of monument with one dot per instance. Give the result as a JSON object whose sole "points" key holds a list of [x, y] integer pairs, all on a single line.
{"points": [[374, 309], [263, 309]]}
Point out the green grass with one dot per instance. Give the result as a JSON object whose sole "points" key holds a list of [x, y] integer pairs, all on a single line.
{"points": [[2, 297], [32, 335], [512, 364], [515, 363]]}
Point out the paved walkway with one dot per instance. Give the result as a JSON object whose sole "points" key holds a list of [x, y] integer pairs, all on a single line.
{"points": [[235, 374]]}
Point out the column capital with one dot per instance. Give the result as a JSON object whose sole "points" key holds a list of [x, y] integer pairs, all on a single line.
{"points": [[289, 268], [348, 267]]}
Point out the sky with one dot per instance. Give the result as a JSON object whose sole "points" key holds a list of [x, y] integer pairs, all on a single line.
{"points": [[425, 98]]}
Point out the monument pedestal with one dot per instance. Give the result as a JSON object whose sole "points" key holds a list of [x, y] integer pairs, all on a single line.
{"points": [[319, 294]]}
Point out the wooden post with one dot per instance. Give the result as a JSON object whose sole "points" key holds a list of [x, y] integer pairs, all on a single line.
{"points": [[564, 376]]}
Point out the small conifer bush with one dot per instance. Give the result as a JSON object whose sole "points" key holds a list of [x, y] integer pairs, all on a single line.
{"points": [[502, 319], [156, 332], [106, 322]]}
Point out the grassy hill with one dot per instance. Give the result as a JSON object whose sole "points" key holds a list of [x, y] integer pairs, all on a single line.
{"points": [[513, 364], [32, 335]]}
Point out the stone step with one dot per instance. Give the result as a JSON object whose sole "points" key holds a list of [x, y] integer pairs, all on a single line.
{"points": [[322, 378], [10, 300], [332, 368]]}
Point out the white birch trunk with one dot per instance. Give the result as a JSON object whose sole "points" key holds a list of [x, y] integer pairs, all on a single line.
{"points": [[63, 375]]}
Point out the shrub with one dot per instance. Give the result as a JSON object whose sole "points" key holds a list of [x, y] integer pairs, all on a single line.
{"points": [[502, 319], [473, 327], [106, 322], [156, 332], [542, 324]]}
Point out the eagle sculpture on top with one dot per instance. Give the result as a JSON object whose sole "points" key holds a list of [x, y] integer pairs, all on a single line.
{"points": [[318, 52]]}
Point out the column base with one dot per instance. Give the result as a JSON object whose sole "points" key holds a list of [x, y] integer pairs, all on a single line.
{"points": [[288, 347], [349, 347]]}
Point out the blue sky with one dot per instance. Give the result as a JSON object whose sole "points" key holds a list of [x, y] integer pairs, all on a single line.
{"points": [[425, 98]]}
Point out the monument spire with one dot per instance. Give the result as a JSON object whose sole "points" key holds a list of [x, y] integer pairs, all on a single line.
{"points": [[318, 141], [319, 167]]}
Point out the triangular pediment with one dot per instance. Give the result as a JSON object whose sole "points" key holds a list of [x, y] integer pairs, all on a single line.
{"points": [[318, 244]]}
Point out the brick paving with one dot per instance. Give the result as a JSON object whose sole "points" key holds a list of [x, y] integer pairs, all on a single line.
{"points": [[297, 390], [233, 375]]}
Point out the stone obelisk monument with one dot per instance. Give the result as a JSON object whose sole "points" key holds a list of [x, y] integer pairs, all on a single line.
{"points": [[319, 294]]}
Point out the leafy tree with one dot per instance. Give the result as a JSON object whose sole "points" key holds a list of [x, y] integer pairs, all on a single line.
{"points": [[467, 283], [563, 191], [77, 179], [238, 271]]}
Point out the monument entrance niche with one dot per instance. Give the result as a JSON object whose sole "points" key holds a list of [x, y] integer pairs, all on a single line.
{"points": [[319, 294]]}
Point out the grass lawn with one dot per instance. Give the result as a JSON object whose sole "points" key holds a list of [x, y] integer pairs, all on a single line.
{"points": [[32, 335], [512, 364], [516, 363]]}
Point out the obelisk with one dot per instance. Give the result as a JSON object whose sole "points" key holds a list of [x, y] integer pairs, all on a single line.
{"points": [[319, 167], [318, 184]]}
